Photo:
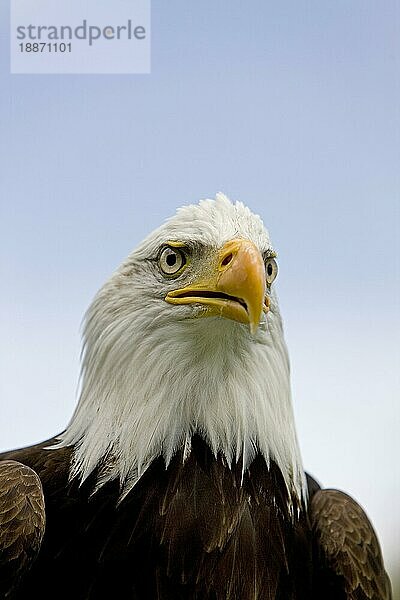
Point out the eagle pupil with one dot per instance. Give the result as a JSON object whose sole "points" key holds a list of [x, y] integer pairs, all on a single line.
{"points": [[269, 270], [171, 260]]}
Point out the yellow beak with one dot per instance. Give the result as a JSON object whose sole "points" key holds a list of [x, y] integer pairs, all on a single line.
{"points": [[233, 288]]}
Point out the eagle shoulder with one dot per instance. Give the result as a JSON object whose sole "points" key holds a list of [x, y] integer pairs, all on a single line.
{"points": [[22, 522], [348, 556]]}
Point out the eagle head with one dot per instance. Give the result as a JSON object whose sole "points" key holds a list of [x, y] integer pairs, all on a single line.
{"points": [[186, 338]]}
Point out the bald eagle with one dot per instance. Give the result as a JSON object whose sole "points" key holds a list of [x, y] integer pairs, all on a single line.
{"points": [[179, 475]]}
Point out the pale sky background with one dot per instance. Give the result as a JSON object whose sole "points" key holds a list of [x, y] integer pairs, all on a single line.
{"points": [[291, 107]]}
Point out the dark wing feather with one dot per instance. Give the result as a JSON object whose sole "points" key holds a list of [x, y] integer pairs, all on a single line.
{"points": [[348, 552], [22, 522]]}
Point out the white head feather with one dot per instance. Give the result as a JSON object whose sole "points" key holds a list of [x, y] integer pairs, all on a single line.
{"points": [[153, 374]]}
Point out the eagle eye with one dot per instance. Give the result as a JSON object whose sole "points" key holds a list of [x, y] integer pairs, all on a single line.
{"points": [[271, 270], [171, 260]]}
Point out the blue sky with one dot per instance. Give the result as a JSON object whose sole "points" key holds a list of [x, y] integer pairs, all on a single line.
{"points": [[292, 108]]}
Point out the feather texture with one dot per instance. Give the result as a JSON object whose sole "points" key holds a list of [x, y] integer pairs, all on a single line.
{"points": [[22, 522], [350, 557]]}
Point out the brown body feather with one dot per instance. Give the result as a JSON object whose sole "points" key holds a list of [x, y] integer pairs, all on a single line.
{"points": [[346, 546], [194, 530], [22, 522]]}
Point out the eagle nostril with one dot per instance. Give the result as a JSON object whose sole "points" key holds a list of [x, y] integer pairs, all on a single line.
{"points": [[227, 259]]}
